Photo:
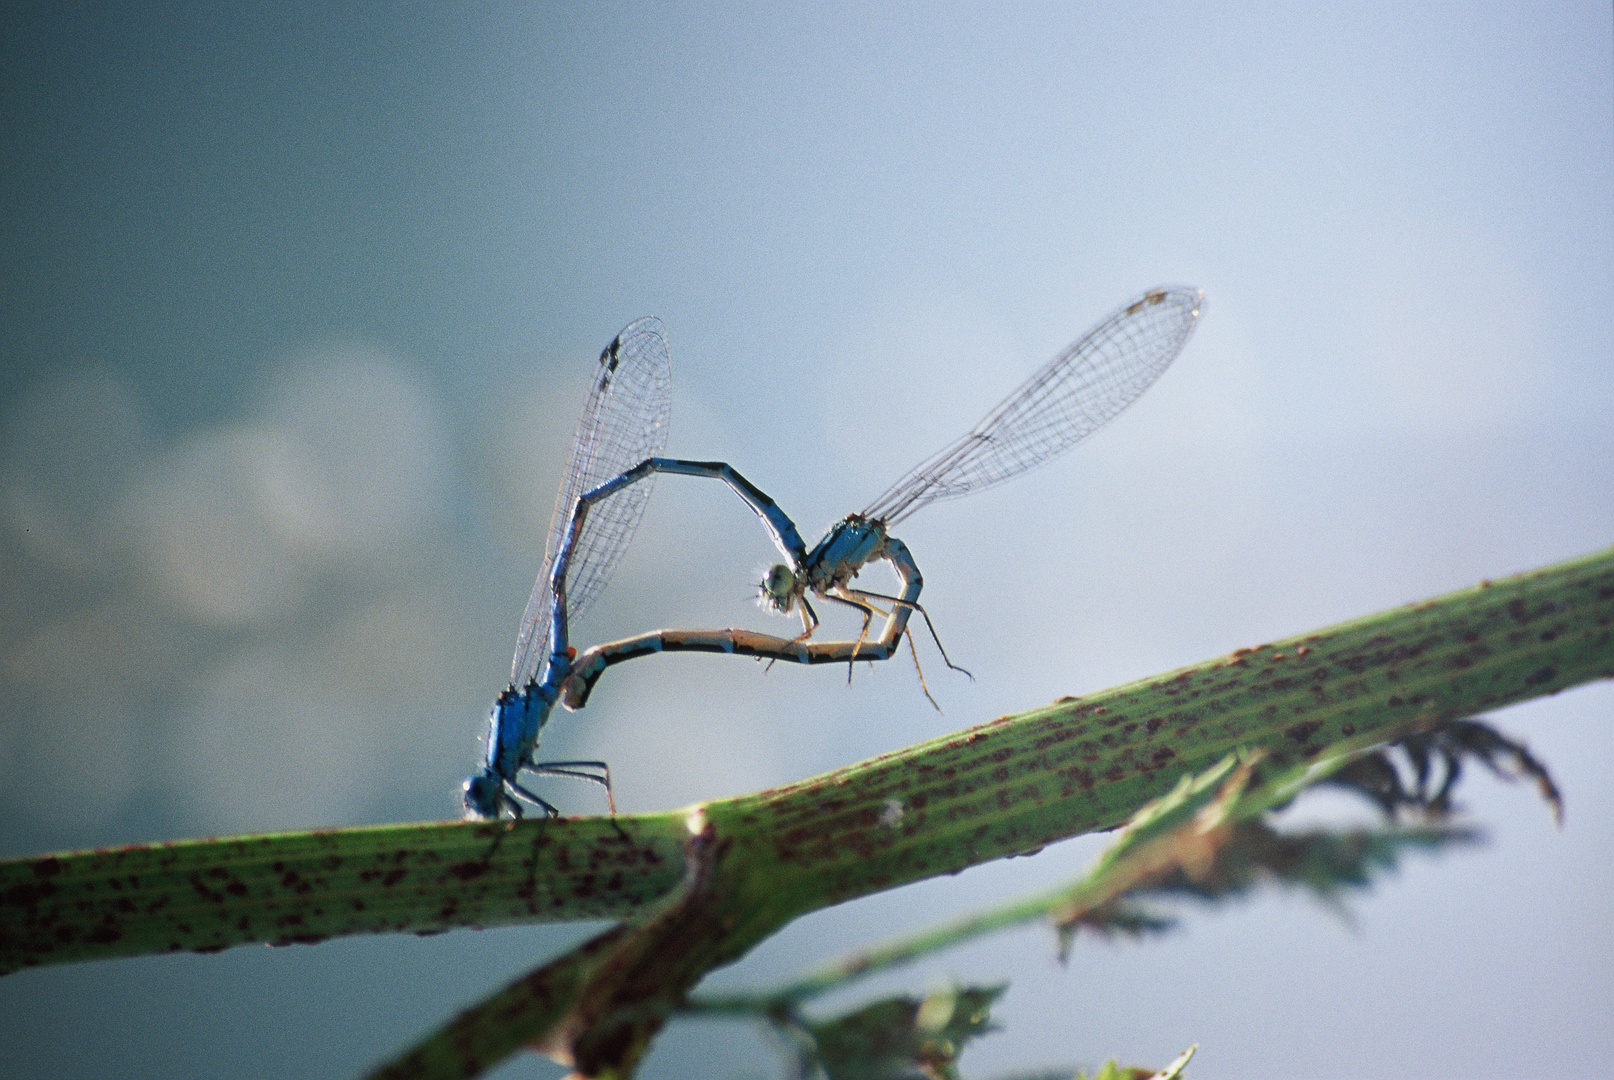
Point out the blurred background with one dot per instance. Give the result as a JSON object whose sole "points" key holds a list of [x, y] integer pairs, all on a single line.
{"points": [[299, 306]]}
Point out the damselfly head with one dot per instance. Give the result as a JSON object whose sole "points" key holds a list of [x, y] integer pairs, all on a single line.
{"points": [[778, 590], [484, 796]]}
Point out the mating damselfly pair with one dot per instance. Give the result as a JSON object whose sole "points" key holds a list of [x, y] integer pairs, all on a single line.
{"points": [[615, 457]]}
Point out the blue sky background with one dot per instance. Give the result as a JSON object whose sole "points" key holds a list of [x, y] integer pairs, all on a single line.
{"points": [[297, 308]]}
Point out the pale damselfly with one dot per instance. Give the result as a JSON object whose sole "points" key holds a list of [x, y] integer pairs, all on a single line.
{"points": [[1073, 395]]}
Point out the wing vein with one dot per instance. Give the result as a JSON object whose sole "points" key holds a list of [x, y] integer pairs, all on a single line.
{"points": [[1073, 395]]}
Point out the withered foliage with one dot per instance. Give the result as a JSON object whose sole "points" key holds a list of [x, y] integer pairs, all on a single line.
{"points": [[1435, 761], [1213, 838]]}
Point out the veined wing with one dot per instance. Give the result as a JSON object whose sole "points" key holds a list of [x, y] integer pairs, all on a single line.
{"points": [[624, 421], [1075, 394]]}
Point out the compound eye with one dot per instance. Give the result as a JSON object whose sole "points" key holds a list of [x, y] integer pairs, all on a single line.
{"points": [[483, 797], [779, 588], [780, 582]]}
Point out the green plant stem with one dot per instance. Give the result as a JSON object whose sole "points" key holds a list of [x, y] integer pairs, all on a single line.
{"points": [[294, 888], [1007, 787], [1018, 783]]}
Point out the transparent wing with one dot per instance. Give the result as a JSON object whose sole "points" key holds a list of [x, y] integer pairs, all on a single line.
{"points": [[1075, 394], [624, 421]]}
